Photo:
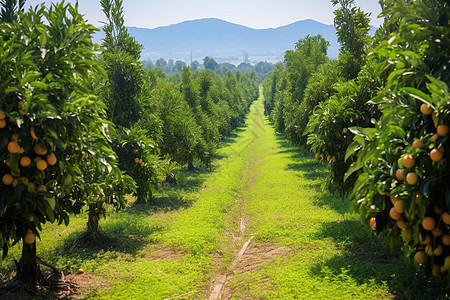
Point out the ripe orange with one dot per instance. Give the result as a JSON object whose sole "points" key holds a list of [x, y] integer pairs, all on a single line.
{"points": [[426, 240], [437, 231], [417, 144], [446, 239], [429, 250], [21, 150], [436, 270], [420, 257], [15, 182], [445, 218], [399, 175], [394, 214], [51, 159], [136, 160], [438, 250], [15, 137], [373, 223], [40, 149], [142, 163], [2, 123], [7, 179], [41, 188], [436, 155], [13, 147], [402, 224], [33, 135], [408, 161], [41, 165], [394, 199], [425, 109], [443, 130], [29, 237], [379, 93], [400, 206], [100, 216], [135, 151], [25, 161], [80, 271], [428, 223], [412, 178], [434, 138]]}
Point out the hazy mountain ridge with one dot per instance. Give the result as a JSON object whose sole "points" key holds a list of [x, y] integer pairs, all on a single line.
{"points": [[222, 39]]}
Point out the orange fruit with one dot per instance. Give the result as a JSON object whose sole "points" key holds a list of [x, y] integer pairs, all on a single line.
{"points": [[438, 250], [136, 160], [80, 271], [428, 223], [135, 151], [41, 188], [426, 240], [7, 179], [100, 216], [446, 218], [373, 223], [402, 224], [40, 149], [345, 130], [29, 238], [25, 161], [51, 159], [317, 156], [434, 138], [394, 199], [15, 182], [33, 135], [436, 155], [420, 257], [437, 231], [436, 270], [408, 161], [142, 164], [443, 130], [13, 147], [425, 109], [412, 178], [21, 150], [2, 123], [446, 239], [399, 175], [394, 214], [400, 206], [417, 144], [41, 165], [15, 137]]}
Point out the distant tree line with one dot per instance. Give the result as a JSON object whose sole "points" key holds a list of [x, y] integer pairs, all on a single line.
{"points": [[262, 68]]}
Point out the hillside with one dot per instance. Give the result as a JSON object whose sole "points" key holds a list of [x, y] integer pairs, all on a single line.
{"points": [[226, 41]]}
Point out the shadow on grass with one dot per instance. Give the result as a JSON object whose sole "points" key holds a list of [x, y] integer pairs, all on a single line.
{"points": [[368, 259]]}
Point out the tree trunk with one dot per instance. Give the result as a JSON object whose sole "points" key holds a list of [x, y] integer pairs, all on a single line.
{"points": [[191, 165], [92, 224], [27, 268]]}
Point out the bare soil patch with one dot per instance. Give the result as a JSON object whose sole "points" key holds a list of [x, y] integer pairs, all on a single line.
{"points": [[164, 253]]}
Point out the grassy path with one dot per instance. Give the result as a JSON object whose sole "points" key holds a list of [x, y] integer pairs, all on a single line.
{"points": [[257, 227]]}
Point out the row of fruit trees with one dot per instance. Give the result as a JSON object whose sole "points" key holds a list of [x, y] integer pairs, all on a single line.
{"points": [[379, 117], [82, 126]]}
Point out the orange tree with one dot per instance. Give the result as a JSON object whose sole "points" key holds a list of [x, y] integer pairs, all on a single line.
{"points": [[403, 184], [50, 128]]}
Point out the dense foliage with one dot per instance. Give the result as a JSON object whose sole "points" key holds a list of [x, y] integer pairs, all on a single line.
{"points": [[378, 116]]}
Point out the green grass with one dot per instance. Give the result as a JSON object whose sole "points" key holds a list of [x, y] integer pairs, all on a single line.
{"points": [[176, 244]]}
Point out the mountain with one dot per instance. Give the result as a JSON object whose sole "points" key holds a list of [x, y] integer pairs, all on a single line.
{"points": [[225, 41]]}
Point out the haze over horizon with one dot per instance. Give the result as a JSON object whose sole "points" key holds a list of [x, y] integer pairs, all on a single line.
{"points": [[256, 14]]}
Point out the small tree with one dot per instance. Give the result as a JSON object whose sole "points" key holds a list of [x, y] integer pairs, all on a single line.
{"points": [[50, 127]]}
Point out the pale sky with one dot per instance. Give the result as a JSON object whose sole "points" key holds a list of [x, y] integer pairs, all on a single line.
{"points": [[256, 14]]}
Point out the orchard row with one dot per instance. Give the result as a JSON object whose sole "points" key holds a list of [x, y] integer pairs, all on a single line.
{"points": [[379, 117]]}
